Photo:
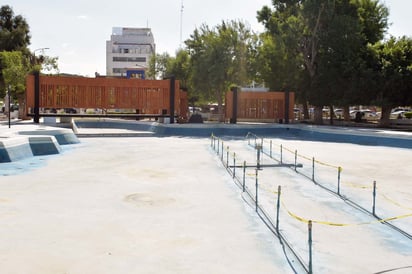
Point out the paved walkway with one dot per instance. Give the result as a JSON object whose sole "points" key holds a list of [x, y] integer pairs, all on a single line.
{"points": [[131, 205]]}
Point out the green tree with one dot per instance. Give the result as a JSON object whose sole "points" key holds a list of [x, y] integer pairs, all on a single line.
{"points": [[330, 37], [164, 65], [14, 71], [373, 20], [393, 75], [14, 31], [16, 60], [339, 56], [297, 25], [219, 58], [46, 64], [14, 36], [159, 65], [179, 66]]}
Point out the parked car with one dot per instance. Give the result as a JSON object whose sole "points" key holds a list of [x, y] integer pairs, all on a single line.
{"points": [[338, 112], [70, 110], [400, 114], [366, 113]]}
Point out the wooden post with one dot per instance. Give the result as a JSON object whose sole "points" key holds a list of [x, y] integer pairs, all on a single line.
{"points": [[172, 99], [244, 176], [270, 148], [339, 171], [233, 120], [374, 198], [313, 169], [277, 209], [234, 165], [9, 105], [36, 118], [310, 246], [257, 191], [296, 159], [287, 107]]}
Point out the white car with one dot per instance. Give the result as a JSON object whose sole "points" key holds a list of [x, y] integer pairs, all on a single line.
{"points": [[366, 114], [398, 114]]}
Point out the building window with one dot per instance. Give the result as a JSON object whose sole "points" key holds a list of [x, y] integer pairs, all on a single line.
{"points": [[129, 59]]}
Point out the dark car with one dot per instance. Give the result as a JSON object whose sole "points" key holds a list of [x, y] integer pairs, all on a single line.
{"points": [[70, 110]]}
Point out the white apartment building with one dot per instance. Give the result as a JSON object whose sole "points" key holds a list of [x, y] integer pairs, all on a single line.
{"points": [[128, 52]]}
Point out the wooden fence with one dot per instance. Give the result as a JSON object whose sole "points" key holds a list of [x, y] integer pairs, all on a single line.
{"points": [[144, 97], [259, 106]]}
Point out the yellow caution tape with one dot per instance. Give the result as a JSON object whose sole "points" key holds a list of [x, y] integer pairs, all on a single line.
{"points": [[357, 185], [268, 190], [395, 203], [395, 218], [289, 150], [310, 159], [329, 165], [304, 220], [304, 157]]}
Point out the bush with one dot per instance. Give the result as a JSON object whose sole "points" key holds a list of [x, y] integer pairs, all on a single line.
{"points": [[408, 115], [196, 118]]}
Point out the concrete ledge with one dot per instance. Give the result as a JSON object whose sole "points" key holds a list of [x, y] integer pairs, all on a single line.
{"points": [[23, 141], [14, 149], [44, 145], [51, 121], [63, 136]]}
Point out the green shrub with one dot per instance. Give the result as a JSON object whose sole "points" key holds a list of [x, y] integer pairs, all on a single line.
{"points": [[408, 115]]}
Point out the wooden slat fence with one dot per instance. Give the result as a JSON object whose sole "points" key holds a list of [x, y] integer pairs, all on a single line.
{"points": [[143, 96], [260, 106]]}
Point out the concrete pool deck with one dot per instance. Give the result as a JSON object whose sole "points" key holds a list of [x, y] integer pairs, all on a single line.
{"points": [[357, 135], [147, 204], [26, 139]]}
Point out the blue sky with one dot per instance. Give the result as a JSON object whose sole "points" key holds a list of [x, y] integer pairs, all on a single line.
{"points": [[76, 31]]}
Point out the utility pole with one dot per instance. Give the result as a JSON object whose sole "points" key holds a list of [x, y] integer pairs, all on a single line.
{"points": [[181, 23]]}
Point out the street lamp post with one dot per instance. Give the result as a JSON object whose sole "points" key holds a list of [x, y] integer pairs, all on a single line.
{"points": [[39, 49], [34, 52], [36, 117], [8, 94]]}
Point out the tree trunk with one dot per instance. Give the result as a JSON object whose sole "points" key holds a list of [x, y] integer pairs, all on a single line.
{"points": [[305, 110], [385, 116], [22, 108], [318, 116], [346, 114], [331, 115], [220, 107]]}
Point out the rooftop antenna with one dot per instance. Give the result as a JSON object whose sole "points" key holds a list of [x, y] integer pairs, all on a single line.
{"points": [[181, 23]]}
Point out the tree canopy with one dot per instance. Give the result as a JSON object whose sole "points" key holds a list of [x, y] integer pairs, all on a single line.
{"points": [[330, 53], [16, 60], [393, 74], [329, 40], [14, 41], [219, 58], [14, 31]]}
